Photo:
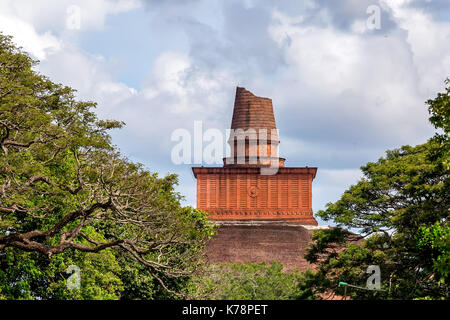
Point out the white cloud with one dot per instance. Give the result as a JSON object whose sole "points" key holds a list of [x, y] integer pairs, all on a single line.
{"points": [[368, 83], [38, 45], [189, 89], [41, 30], [175, 95], [430, 43], [52, 14]]}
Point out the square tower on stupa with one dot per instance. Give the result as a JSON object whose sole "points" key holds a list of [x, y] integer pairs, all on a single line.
{"points": [[254, 184]]}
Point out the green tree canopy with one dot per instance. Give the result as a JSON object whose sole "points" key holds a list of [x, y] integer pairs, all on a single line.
{"points": [[251, 281], [401, 207], [65, 189]]}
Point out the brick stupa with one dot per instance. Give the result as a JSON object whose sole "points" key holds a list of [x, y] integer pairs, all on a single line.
{"points": [[262, 217], [242, 190]]}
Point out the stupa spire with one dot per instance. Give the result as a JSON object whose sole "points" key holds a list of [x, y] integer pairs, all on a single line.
{"points": [[253, 125], [251, 111]]}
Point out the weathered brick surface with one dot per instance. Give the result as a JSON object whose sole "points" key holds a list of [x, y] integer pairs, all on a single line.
{"points": [[251, 111], [264, 241], [260, 243]]}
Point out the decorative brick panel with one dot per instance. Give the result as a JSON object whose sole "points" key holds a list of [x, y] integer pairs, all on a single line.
{"points": [[236, 194]]}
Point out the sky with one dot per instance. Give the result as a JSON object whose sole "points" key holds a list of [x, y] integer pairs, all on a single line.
{"points": [[346, 82]]}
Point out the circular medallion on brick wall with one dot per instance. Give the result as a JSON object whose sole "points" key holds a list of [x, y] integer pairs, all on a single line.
{"points": [[253, 191]]}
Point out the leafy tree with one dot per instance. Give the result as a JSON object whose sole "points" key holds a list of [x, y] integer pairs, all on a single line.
{"points": [[250, 281], [401, 207], [66, 190], [433, 244], [30, 275]]}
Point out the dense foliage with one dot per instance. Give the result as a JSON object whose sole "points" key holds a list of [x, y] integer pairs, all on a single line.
{"points": [[252, 281], [401, 206], [67, 197]]}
